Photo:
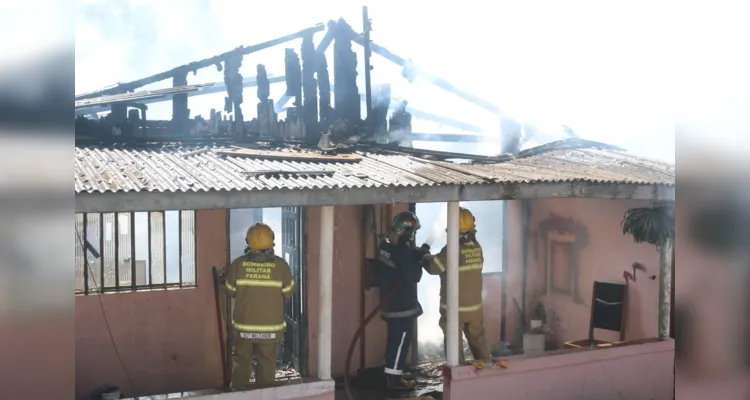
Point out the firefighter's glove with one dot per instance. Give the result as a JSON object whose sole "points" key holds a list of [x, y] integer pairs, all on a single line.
{"points": [[421, 252]]}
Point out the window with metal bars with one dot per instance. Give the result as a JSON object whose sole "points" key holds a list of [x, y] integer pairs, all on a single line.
{"points": [[130, 251]]}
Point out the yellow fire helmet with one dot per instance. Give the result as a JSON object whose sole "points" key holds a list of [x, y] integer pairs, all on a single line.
{"points": [[466, 221], [259, 237]]}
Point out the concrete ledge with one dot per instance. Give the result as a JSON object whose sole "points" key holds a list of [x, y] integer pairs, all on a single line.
{"points": [[639, 370], [319, 390], [157, 201]]}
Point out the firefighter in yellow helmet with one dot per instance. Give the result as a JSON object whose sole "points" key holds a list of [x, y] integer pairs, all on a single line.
{"points": [[470, 262], [260, 282]]}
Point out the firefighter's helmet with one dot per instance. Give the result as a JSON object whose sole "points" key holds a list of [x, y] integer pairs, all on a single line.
{"points": [[405, 226], [466, 221], [259, 237]]}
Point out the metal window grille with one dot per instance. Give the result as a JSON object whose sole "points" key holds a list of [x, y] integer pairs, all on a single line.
{"points": [[137, 251]]}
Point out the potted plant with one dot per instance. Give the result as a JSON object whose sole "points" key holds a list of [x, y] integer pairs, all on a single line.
{"points": [[538, 316]]}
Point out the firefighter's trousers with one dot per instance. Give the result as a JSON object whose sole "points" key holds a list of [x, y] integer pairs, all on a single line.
{"points": [[472, 325], [400, 331], [266, 352]]}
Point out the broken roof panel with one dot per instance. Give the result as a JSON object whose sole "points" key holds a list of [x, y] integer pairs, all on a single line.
{"points": [[203, 168]]}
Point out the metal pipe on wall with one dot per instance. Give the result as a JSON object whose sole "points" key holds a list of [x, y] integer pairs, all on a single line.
{"points": [[452, 279], [325, 301]]}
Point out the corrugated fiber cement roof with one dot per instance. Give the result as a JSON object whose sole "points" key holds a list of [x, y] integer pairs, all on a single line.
{"points": [[201, 168]]}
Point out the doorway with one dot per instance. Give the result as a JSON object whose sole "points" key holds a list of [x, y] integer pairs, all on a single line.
{"points": [[288, 221], [433, 217]]}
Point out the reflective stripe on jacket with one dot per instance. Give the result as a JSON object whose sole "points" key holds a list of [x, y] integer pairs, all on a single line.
{"points": [[470, 262], [260, 285]]}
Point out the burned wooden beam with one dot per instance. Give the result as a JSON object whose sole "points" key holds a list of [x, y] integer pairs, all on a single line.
{"points": [[309, 87], [290, 156], [196, 65], [266, 115], [233, 81], [180, 111], [293, 76], [346, 98], [288, 173], [324, 90]]}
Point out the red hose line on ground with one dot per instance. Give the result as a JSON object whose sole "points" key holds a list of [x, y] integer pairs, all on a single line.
{"points": [[358, 334]]}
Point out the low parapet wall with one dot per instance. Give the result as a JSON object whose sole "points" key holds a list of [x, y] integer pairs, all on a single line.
{"points": [[635, 371]]}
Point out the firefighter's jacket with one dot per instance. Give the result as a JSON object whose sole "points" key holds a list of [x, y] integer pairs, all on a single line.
{"points": [[260, 285], [399, 263], [470, 262]]}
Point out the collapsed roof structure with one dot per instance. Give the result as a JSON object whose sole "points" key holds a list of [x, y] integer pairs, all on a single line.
{"points": [[323, 138], [308, 85]]}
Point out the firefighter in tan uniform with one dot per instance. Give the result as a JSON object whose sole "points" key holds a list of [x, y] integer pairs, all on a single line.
{"points": [[260, 282], [470, 261]]}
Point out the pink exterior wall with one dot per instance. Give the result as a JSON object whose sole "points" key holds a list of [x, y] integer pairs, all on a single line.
{"points": [[168, 340], [636, 371], [606, 256], [348, 259]]}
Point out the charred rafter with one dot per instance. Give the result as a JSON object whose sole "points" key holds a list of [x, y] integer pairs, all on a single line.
{"points": [[346, 97], [309, 84], [234, 99], [196, 65]]}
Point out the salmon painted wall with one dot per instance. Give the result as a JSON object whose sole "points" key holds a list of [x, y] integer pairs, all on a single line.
{"points": [[168, 340], [606, 256], [352, 238]]}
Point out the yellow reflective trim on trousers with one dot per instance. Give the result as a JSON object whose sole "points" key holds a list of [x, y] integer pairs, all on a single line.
{"points": [[229, 286], [471, 267], [259, 328], [475, 307], [252, 282], [288, 288]]}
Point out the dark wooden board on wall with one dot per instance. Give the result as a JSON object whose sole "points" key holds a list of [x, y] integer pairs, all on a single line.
{"points": [[609, 306]]}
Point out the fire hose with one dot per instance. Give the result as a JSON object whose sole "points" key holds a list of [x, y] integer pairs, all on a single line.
{"points": [[360, 331], [358, 334]]}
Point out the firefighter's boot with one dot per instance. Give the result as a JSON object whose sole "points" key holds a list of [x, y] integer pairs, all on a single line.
{"points": [[399, 382]]}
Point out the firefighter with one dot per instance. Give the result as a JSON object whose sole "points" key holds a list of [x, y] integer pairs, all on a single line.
{"points": [[400, 263], [470, 262], [260, 282]]}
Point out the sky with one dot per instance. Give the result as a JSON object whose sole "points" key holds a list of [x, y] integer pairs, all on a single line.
{"points": [[605, 70]]}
